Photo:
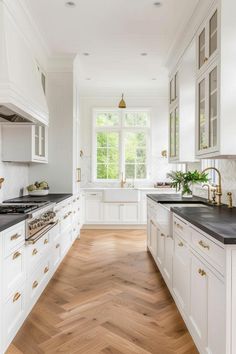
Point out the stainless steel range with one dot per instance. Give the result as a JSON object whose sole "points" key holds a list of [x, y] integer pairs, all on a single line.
{"points": [[41, 217]]}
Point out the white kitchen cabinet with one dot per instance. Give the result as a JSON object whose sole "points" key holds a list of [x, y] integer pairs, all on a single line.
{"points": [[215, 79], [130, 213], [112, 212], [174, 133], [152, 237], [207, 111], [160, 247], [208, 40], [93, 207], [25, 143], [198, 299], [168, 259], [181, 276]]}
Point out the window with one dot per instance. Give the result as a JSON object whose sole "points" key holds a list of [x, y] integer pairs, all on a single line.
{"points": [[121, 144], [211, 173]]}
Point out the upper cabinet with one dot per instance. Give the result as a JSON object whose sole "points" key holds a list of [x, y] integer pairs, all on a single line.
{"points": [[182, 109], [207, 41], [21, 92], [216, 83]]}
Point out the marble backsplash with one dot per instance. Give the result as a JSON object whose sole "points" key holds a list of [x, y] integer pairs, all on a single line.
{"points": [[228, 173]]}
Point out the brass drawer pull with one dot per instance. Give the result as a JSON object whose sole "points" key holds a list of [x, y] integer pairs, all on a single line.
{"points": [[35, 284], [179, 227], [15, 237], [35, 251], [16, 297], [45, 241], [201, 272], [162, 235], [205, 147], [180, 244], [16, 255], [58, 245], [201, 243], [46, 269]]}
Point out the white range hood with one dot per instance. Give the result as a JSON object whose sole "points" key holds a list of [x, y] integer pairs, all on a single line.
{"points": [[22, 99]]}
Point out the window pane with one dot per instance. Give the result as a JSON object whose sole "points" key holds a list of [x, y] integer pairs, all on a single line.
{"points": [[101, 139], [141, 171], [107, 155], [130, 171], [137, 119], [113, 171], [135, 155], [101, 171], [101, 155], [109, 119]]}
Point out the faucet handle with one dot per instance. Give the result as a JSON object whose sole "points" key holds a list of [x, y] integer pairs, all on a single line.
{"points": [[213, 190], [230, 200]]}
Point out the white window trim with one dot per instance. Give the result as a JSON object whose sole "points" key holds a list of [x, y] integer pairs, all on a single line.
{"points": [[121, 128]]}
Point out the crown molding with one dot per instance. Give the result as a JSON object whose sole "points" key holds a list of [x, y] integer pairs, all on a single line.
{"points": [[185, 37]]}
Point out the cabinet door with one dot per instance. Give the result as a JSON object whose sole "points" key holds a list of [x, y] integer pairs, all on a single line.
{"points": [[174, 134], [130, 213], [153, 239], [213, 33], [40, 141], [208, 111], [202, 48], [112, 213], [216, 315], [93, 209], [160, 248], [181, 279], [198, 300], [168, 258]]}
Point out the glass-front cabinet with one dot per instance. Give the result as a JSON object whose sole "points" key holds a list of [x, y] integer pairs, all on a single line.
{"points": [[174, 118], [207, 41], [174, 134], [40, 140], [207, 111]]}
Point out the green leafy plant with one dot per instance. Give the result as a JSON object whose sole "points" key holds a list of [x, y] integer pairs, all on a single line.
{"points": [[185, 180]]}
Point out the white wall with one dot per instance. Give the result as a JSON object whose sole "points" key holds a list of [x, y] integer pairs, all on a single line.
{"points": [[58, 171], [159, 131], [16, 177]]}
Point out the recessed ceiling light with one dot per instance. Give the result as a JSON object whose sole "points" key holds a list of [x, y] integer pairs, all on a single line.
{"points": [[86, 54], [70, 4], [144, 54], [88, 78], [153, 79], [157, 3]]}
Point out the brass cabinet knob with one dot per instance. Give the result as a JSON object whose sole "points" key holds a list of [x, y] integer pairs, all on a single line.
{"points": [[204, 245], [16, 297], [46, 269], [201, 272], [15, 237], [16, 255], [45, 241], [34, 252], [180, 244], [35, 284]]}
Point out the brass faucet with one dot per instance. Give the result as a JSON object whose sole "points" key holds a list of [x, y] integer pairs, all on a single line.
{"points": [[123, 181], [218, 186]]}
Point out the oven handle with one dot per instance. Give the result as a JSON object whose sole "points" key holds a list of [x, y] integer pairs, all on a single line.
{"points": [[35, 238]]}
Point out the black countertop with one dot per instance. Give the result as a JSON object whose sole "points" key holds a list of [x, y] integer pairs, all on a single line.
{"points": [[55, 198], [219, 222], [7, 221]]}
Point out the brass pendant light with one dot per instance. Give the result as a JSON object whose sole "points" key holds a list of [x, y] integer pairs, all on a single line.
{"points": [[122, 103]]}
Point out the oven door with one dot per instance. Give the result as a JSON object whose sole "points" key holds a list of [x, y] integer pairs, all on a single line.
{"points": [[33, 239]]}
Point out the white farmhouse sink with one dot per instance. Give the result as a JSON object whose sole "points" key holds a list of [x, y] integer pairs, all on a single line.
{"points": [[121, 195]]}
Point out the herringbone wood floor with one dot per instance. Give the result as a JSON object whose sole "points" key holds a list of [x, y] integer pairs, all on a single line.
{"points": [[107, 297]]}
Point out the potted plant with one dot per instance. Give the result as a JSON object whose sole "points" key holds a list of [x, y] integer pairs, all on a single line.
{"points": [[184, 181]]}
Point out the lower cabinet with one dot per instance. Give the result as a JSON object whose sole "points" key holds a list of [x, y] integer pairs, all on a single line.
{"points": [[197, 285], [93, 208], [181, 279]]}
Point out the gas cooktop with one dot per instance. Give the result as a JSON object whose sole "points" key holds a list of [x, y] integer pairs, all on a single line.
{"points": [[17, 208]]}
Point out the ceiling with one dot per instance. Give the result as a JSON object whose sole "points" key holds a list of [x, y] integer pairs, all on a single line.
{"points": [[114, 33]]}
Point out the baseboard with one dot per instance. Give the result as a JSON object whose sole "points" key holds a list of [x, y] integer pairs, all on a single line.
{"points": [[113, 227]]}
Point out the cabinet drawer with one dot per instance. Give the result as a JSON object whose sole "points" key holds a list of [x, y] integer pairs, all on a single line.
{"points": [[181, 229], [13, 315], [213, 253], [14, 271], [13, 236], [35, 251], [93, 195], [38, 280]]}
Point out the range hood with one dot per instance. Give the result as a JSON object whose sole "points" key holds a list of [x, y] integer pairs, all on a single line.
{"points": [[22, 99]]}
